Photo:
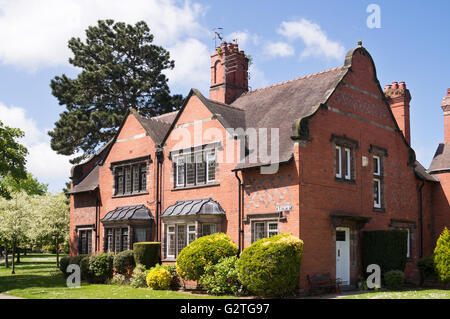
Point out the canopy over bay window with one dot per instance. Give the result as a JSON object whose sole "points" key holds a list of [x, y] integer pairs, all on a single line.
{"points": [[124, 226], [187, 220]]}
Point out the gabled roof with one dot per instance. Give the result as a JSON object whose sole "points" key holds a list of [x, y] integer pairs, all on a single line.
{"points": [[88, 183], [278, 106], [205, 206], [441, 159], [138, 212], [228, 115], [422, 173]]}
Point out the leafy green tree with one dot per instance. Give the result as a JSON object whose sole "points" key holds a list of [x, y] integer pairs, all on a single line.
{"points": [[12, 155], [51, 220], [120, 68], [442, 256], [29, 185], [15, 216]]}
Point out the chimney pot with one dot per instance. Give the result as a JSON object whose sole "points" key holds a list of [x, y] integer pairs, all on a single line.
{"points": [[448, 92], [402, 85], [395, 85]]}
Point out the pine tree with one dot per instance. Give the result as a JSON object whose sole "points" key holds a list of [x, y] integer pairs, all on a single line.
{"points": [[120, 68]]}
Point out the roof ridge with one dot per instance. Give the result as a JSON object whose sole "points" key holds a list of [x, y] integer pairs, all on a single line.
{"points": [[224, 104], [296, 79]]}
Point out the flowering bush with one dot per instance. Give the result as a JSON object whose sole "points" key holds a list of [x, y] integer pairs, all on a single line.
{"points": [[159, 279]]}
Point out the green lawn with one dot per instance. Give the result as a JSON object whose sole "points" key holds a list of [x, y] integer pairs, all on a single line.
{"points": [[37, 277], [410, 294]]}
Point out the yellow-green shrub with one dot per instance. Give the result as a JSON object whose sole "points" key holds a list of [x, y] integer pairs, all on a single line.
{"points": [[159, 279], [206, 250], [271, 266], [442, 256]]}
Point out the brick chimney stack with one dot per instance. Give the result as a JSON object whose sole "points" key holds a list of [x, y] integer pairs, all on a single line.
{"points": [[398, 97], [229, 73], [446, 109]]}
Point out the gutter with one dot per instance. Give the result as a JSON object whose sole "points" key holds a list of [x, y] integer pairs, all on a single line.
{"points": [[421, 218], [240, 200]]}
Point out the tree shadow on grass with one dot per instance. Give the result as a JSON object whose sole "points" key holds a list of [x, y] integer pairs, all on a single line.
{"points": [[30, 281]]}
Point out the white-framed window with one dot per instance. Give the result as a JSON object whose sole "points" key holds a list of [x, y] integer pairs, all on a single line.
{"points": [[376, 193], [180, 171], [408, 243], [171, 241], [376, 165], [196, 168], [377, 182], [190, 233], [209, 229], [338, 161], [211, 166], [181, 237], [264, 229], [348, 164], [272, 229]]}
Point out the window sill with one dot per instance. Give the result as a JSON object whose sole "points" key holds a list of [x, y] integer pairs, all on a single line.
{"points": [[379, 210], [130, 195], [195, 186], [345, 181], [171, 259]]}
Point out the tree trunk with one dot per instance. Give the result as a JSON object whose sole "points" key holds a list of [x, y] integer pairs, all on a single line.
{"points": [[57, 252], [18, 254], [13, 270], [6, 256]]}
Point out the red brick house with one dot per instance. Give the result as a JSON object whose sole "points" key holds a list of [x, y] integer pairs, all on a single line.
{"points": [[323, 157]]}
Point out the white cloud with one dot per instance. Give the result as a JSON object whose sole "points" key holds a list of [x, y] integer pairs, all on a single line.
{"points": [[314, 38], [257, 77], [34, 34], [279, 49], [42, 161], [244, 38], [192, 64]]}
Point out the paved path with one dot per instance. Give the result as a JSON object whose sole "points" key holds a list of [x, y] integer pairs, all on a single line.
{"points": [[3, 296]]}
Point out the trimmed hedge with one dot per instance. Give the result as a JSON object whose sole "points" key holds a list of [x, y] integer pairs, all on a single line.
{"points": [[271, 266], [204, 251], [386, 248], [442, 256], [147, 253], [69, 260], [124, 263]]}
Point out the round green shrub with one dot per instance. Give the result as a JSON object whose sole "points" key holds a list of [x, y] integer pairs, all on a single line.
{"points": [[101, 267], [147, 253], [139, 277], [206, 250], [394, 279], [271, 266], [124, 263], [172, 269], [86, 273], [222, 278], [442, 256], [159, 279]]}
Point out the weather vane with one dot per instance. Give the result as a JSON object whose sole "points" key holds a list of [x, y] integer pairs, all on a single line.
{"points": [[217, 35]]}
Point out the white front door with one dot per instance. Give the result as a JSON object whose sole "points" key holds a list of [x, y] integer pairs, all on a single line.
{"points": [[343, 255]]}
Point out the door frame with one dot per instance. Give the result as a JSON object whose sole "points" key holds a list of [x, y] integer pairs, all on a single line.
{"points": [[347, 241]]}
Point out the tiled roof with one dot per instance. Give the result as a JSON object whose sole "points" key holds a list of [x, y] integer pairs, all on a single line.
{"points": [[205, 206], [139, 212], [422, 173], [280, 105], [441, 159], [88, 183]]}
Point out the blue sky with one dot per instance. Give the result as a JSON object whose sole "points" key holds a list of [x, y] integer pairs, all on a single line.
{"points": [[286, 39]]}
